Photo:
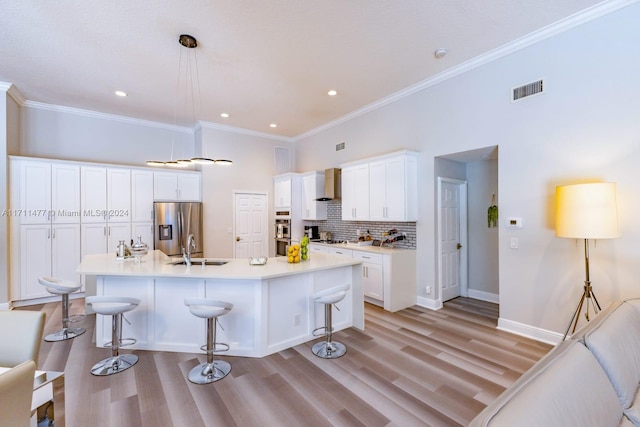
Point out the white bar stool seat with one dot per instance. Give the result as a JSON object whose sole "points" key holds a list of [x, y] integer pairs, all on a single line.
{"points": [[211, 370], [329, 349], [115, 307], [62, 287]]}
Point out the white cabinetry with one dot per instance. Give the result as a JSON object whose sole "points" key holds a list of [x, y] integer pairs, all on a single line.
{"points": [[106, 203], [372, 277], [312, 189], [393, 189], [106, 194], [142, 206], [340, 251], [316, 249], [282, 192], [381, 189], [177, 186], [47, 221], [355, 193]]}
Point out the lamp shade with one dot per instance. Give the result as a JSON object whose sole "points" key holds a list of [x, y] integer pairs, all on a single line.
{"points": [[587, 211]]}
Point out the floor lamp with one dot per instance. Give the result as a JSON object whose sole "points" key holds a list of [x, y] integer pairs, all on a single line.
{"points": [[586, 211]]}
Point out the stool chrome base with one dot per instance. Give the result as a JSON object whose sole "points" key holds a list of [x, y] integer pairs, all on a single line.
{"points": [[329, 350], [206, 373], [113, 365], [65, 334]]}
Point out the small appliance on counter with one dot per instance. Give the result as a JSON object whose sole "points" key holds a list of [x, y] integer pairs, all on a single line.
{"points": [[311, 231]]}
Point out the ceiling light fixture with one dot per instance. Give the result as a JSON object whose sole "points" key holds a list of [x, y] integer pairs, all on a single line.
{"points": [[273, 125], [120, 93], [332, 92], [224, 115], [190, 43]]}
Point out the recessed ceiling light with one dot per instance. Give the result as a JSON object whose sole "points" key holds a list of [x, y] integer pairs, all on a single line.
{"points": [[225, 115], [332, 92], [121, 93], [440, 53], [273, 125]]}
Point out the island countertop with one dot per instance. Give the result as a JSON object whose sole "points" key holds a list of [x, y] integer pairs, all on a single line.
{"points": [[157, 264]]}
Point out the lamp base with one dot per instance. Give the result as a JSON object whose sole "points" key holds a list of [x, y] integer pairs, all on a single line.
{"points": [[591, 298]]}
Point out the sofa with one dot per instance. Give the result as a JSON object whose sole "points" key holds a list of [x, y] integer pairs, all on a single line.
{"points": [[591, 379]]}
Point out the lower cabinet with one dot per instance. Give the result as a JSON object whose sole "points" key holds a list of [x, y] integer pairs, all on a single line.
{"points": [[372, 277], [47, 250], [103, 238], [144, 230]]}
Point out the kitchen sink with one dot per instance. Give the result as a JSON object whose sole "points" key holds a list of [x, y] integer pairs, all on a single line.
{"points": [[199, 261]]}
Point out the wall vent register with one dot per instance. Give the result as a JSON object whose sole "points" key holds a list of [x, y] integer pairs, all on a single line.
{"points": [[527, 90]]}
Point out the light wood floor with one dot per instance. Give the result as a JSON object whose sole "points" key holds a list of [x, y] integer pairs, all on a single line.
{"points": [[416, 367]]}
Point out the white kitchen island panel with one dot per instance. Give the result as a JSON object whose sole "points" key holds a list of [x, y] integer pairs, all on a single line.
{"points": [[273, 307]]}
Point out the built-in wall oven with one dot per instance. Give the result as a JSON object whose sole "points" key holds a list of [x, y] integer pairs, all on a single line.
{"points": [[282, 235]]}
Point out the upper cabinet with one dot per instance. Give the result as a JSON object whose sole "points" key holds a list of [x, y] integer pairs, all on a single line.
{"points": [[355, 192], [106, 194], [312, 189], [49, 192], [282, 191], [393, 192], [141, 196], [177, 186], [381, 189]]}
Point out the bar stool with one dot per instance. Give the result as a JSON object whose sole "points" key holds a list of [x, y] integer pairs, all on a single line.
{"points": [[210, 310], [115, 307], [329, 349], [63, 287]]}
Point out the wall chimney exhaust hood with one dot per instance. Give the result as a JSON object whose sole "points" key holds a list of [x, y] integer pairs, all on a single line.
{"points": [[332, 185]]}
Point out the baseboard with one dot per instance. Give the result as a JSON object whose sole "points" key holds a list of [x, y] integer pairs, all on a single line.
{"points": [[44, 300], [483, 296], [432, 304], [528, 331], [4, 306]]}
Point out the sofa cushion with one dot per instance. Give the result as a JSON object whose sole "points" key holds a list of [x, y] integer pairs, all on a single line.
{"points": [[569, 388], [615, 342]]}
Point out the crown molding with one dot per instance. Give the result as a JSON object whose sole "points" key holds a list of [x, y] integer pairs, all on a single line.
{"points": [[572, 21], [11, 90], [242, 131], [105, 116]]}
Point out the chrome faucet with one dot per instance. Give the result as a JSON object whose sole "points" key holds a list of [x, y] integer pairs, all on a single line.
{"points": [[191, 244]]}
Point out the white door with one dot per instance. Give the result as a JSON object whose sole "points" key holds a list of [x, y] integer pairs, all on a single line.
{"points": [[35, 259], [118, 195], [250, 223], [35, 192], [94, 239], [65, 193], [141, 196], [452, 237], [117, 231], [93, 194], [65, 249]]}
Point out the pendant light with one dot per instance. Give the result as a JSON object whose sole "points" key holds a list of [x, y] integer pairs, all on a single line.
{"points": [[188, 42]]}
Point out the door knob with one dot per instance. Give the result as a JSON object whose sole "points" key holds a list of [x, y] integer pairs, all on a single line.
{"points": [[237, 239], [458, 246]]}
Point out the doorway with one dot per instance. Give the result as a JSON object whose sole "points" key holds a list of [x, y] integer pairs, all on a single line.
{"points": [[452, 238], [250, 225], [479, 169]]}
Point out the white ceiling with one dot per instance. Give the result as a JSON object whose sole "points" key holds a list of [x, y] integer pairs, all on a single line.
{"points": [[259, 61]]}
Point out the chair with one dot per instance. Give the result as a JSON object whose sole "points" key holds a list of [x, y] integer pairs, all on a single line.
{"points": [[115, 307], [16, 392], [212, 370], [63, 287], [329, 349], [20, 336]]}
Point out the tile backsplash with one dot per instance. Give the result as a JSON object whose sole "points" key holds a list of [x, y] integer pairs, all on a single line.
{"points": [[346, 230]]}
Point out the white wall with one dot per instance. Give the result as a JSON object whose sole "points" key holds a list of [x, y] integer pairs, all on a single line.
{"points": [[79, 135], [482, 177], [585, 127], [252, 171]]}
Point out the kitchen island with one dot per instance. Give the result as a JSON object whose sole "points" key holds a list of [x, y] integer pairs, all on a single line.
{"points": [[273, 306]]}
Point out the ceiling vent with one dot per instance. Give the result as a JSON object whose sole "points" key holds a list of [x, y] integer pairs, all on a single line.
{"points": [[340, 146], [527, 90]]}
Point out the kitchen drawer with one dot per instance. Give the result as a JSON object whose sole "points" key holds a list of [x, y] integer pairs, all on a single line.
{"points": [[368, 257], [341, 252], [318, 248]]}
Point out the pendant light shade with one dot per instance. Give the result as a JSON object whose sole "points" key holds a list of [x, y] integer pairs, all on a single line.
{"points": [[188, 42]]}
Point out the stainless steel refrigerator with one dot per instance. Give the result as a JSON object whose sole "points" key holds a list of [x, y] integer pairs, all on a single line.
{"points": [[173, 222]]}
